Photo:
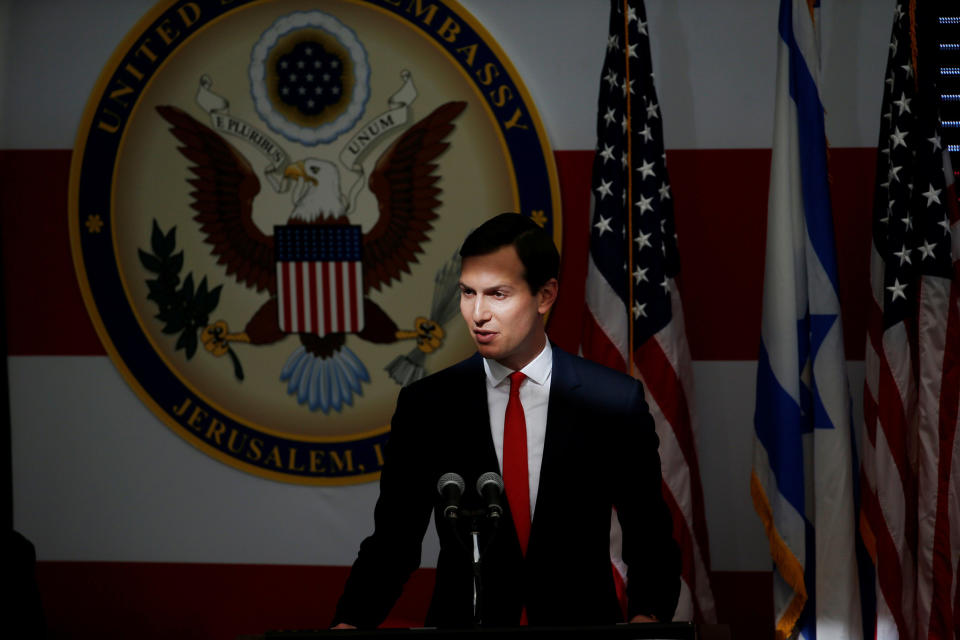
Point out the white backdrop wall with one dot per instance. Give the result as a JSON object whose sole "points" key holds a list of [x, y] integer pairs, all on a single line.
{"points": [[97, 477]]}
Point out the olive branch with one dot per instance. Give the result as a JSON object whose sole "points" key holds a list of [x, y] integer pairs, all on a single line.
{"points": [[183, 308]]}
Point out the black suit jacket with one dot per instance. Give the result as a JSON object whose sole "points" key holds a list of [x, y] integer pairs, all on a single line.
{"points": [[600, 451]]}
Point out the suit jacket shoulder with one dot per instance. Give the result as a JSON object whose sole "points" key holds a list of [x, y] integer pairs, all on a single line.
{"points": [[456, 374], [577, 381]]}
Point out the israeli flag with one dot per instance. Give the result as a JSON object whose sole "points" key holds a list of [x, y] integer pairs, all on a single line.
{"points": [[802, 480]]}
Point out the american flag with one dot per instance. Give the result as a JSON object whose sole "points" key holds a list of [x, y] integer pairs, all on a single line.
{"points": [[633, 319], [319, 278], [910, 470]]}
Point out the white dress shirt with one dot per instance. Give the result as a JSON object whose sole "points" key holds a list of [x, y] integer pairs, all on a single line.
{"points": [[534, 396]]}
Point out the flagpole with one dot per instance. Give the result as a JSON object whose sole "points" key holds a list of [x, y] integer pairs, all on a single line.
{"points": [[629, 186]]}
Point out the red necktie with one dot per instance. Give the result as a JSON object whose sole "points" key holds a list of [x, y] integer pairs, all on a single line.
{"points": [[515, 476]]}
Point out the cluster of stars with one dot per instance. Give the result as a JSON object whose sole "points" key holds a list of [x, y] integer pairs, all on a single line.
{"points": [[911, 220], [631, 190], [299, 243], [309, 78]]}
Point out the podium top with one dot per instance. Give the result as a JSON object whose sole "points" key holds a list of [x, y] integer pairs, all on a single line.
{"points": [[638, 631]]}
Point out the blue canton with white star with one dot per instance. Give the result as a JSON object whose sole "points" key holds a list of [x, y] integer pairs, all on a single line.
{"points": [[309, 78], [911, 227], [631, 190], [317, 243]]}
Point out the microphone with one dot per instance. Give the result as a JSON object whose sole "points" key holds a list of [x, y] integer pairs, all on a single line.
{"points": [[490, 487], [450, 486]]}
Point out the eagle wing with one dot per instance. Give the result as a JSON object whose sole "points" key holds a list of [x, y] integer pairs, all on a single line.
{"points": [[225, 186], [404, 183]]}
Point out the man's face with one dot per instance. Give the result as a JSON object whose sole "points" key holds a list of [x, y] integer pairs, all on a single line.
{"points": [[504, 317]]}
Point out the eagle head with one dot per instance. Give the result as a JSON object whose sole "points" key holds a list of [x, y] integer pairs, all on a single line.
{"points": [[316, 193]]}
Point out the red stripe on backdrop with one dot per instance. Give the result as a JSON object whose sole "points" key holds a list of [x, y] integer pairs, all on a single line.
{"points": [[214, 601], [721, 203], [720, 200], [45, 312], [118, 600]]}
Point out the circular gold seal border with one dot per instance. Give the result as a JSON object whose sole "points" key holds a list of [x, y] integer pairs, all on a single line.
{"points": [[143, 52]]}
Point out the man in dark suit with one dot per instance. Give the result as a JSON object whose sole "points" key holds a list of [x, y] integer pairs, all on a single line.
{"points": [[577, 435]]}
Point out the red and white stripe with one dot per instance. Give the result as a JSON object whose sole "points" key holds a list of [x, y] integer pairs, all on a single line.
{"points": [[938, 482], [889, 495], [910, 471], [663, 364], [320, 297]]}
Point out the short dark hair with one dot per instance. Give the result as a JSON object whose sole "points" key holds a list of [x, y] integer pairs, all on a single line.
{"points": [[538, 254]]}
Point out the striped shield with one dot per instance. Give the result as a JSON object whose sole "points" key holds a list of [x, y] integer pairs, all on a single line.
{"points": [[319, 278]]}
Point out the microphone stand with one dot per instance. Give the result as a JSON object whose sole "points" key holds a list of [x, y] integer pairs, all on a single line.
{"points": [[476, 519], [477, 574], [489, 487]]}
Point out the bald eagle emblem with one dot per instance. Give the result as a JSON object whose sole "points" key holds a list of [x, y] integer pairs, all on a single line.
{"points": [[322, 372], [266, 202]]}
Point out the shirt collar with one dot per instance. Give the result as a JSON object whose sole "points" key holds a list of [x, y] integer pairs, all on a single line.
{"points": [[537, 370]]}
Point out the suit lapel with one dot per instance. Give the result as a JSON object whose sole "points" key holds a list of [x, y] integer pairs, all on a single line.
{"points": [[476, 451], [556, 451], [563, 383], [476, 416]]}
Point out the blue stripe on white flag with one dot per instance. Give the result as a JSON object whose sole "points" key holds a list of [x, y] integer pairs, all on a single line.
{"points": [[802, 461], [780, 426], [812, 140]]}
